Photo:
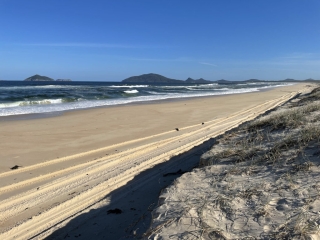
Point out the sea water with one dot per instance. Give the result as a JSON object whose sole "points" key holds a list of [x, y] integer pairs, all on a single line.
{"points": [[21, 97]]}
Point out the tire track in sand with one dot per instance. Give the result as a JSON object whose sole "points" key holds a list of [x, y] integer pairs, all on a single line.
{"points": [[113, 172], [60, 160], [104, 159]]}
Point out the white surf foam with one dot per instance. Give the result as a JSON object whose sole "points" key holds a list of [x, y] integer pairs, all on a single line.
{"points": [[45, 108], [131, 91], [36, 87], [130, 86], [28, 103]]}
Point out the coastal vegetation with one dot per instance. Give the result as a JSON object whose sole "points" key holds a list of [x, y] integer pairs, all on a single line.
{"points": [[258, 181]]}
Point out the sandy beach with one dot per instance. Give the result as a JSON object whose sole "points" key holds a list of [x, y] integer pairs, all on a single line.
{"points": [[260, 180], [76, 169]]}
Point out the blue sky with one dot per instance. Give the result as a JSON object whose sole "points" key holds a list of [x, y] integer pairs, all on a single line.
{"points": [[110, 40]]}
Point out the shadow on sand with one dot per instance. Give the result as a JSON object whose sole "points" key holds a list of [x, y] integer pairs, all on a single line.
{"points": [[125, 213]]}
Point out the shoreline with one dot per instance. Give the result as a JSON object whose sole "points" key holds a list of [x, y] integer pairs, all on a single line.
{"points": [[87, 157], [84, 129], [32, 116]]}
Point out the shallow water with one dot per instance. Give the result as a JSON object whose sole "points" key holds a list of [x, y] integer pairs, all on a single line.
{"points": [[19, 97]]}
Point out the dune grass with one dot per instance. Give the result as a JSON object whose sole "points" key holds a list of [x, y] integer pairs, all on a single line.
{"points": [[279, 150], [258, 181]]}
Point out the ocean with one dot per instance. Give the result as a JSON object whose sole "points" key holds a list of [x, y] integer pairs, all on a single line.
{"points": [[20, 97]]}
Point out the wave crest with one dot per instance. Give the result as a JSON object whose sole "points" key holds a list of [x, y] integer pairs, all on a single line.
{"points": [[30, 103], [131, 91]]}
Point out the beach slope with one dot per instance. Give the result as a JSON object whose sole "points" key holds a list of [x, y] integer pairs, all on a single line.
{"points": [[258, 181], [55, 170]]}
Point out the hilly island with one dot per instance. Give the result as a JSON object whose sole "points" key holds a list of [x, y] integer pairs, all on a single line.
{"points": [[157, 78], [37, 77]]}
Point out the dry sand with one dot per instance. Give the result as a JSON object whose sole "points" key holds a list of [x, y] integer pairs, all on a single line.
{"points": [[258, 181], [76, 166]]}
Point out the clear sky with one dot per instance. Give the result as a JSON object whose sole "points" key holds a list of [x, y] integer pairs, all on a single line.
{"points": [[110, 40]]}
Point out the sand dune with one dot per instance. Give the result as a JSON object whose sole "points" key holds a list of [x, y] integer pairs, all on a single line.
{"points": [[258, 181], [44, 195]]}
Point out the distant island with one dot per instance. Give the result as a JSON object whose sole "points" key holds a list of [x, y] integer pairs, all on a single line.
{"points": [[157, 78], [150, 78], [38, 77]]}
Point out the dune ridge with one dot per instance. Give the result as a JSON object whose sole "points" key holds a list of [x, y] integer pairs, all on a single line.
{"points": [[259, 181]]}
